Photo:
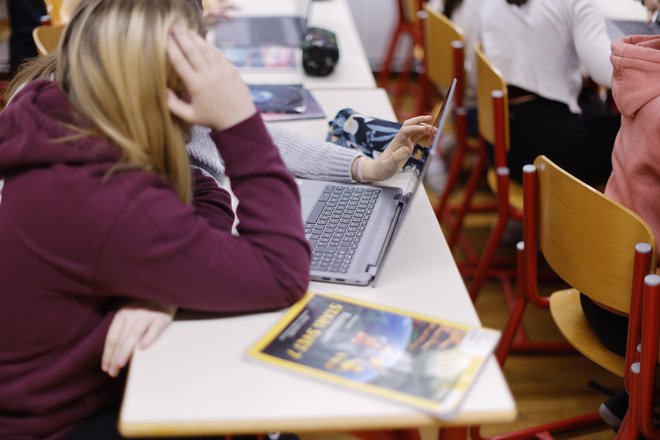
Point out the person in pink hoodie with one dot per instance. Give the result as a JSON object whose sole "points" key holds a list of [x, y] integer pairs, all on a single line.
{"points": [[99, 205], [635, 178]]}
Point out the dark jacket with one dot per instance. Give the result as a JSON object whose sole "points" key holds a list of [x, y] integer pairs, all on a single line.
{"points": [[75, 242]]}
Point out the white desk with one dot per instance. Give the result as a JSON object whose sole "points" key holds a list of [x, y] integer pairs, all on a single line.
{"points": [[622, 9], [194, 380], [352, 70]]}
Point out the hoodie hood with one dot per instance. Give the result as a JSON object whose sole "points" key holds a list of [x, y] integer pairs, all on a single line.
{"points": [[636, 62], [31, 125]]}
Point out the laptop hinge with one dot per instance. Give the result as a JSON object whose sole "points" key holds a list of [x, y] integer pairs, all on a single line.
{"points": [[372, 269]]}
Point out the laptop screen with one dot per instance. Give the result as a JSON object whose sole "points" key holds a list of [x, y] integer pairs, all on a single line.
{"points": [[419, 170]]}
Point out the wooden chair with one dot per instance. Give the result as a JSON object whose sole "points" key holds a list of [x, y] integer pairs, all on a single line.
{"points": [[600, 249], [445, 60], [46, 37], [59, 10], [493, 124]]}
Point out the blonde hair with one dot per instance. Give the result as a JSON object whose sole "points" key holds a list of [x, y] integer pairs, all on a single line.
{"points": [[112, 65]]}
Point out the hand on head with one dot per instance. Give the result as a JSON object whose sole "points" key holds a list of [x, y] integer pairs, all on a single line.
{"points": [[413, 131], [217, 10], [217, 96]]}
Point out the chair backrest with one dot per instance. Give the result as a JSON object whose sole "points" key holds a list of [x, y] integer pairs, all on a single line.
{"points": [[489, 81], [587, 238], [443, 38], [53, 8], [46, 37]]}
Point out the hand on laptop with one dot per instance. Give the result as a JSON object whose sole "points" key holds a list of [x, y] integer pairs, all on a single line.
{"points": [[413, 131]]}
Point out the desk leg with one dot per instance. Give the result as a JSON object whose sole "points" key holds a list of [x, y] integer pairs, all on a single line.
{"points": [[454, 433]]}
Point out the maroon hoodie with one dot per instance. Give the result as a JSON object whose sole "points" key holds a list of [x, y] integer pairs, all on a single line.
{"points": [[74, 243]]}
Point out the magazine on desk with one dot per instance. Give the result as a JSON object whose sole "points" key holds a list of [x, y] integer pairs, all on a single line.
{"points": [[285, 102], [414, 359]]}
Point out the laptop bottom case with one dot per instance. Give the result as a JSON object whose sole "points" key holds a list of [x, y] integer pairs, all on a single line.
{"points": [[346, 248]]}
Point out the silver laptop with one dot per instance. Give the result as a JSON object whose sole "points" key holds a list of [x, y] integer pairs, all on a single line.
{"points": [[277, 30], [350, 226]]}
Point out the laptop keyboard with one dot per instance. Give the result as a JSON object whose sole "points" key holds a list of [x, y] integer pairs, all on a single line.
{"points": [[335, 226], [266, 29]]}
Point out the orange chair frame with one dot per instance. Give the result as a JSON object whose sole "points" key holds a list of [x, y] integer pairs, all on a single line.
{"points": [[408, 23], [643, 326], [445, 60]]}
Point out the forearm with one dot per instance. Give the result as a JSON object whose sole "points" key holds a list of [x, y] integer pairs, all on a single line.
{"points": [[592, 43], [212, 202], [269, 209], [173, 255], [307, 157]]}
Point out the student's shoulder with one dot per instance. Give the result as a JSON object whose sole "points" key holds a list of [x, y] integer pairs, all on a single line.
{"points": [[96, 193]]}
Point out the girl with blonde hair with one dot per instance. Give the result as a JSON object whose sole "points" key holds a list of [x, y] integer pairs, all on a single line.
{"points": [[138, 323], [98, 205]]}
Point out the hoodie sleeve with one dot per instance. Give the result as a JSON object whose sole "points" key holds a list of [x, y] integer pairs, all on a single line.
{"points": [[591, 41], [310, 158], [164, 251], [212, 202]]}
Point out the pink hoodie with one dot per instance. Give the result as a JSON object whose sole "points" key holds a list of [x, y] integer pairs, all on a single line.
{"points": [[635, 179]]}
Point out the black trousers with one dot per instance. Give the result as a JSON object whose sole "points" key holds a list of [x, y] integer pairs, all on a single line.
{"points": [[580, 144], [611, 329], [24, 16]]}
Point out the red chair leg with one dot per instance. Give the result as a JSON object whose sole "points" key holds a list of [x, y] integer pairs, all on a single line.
{"points": [[544, 431], [375, 435], [470, 188], [453, 433], [628, 429], [423, 94], [395, 434], [455, 167], [403, 80], [488, 253], [385, 71]]}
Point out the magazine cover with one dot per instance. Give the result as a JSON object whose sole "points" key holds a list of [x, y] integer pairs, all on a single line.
{"points": [[312, 110], [280, 98], [414, 359]]}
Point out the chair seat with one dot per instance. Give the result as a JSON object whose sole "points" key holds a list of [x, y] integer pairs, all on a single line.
{"points": [[515, 189], [571, 321]]}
